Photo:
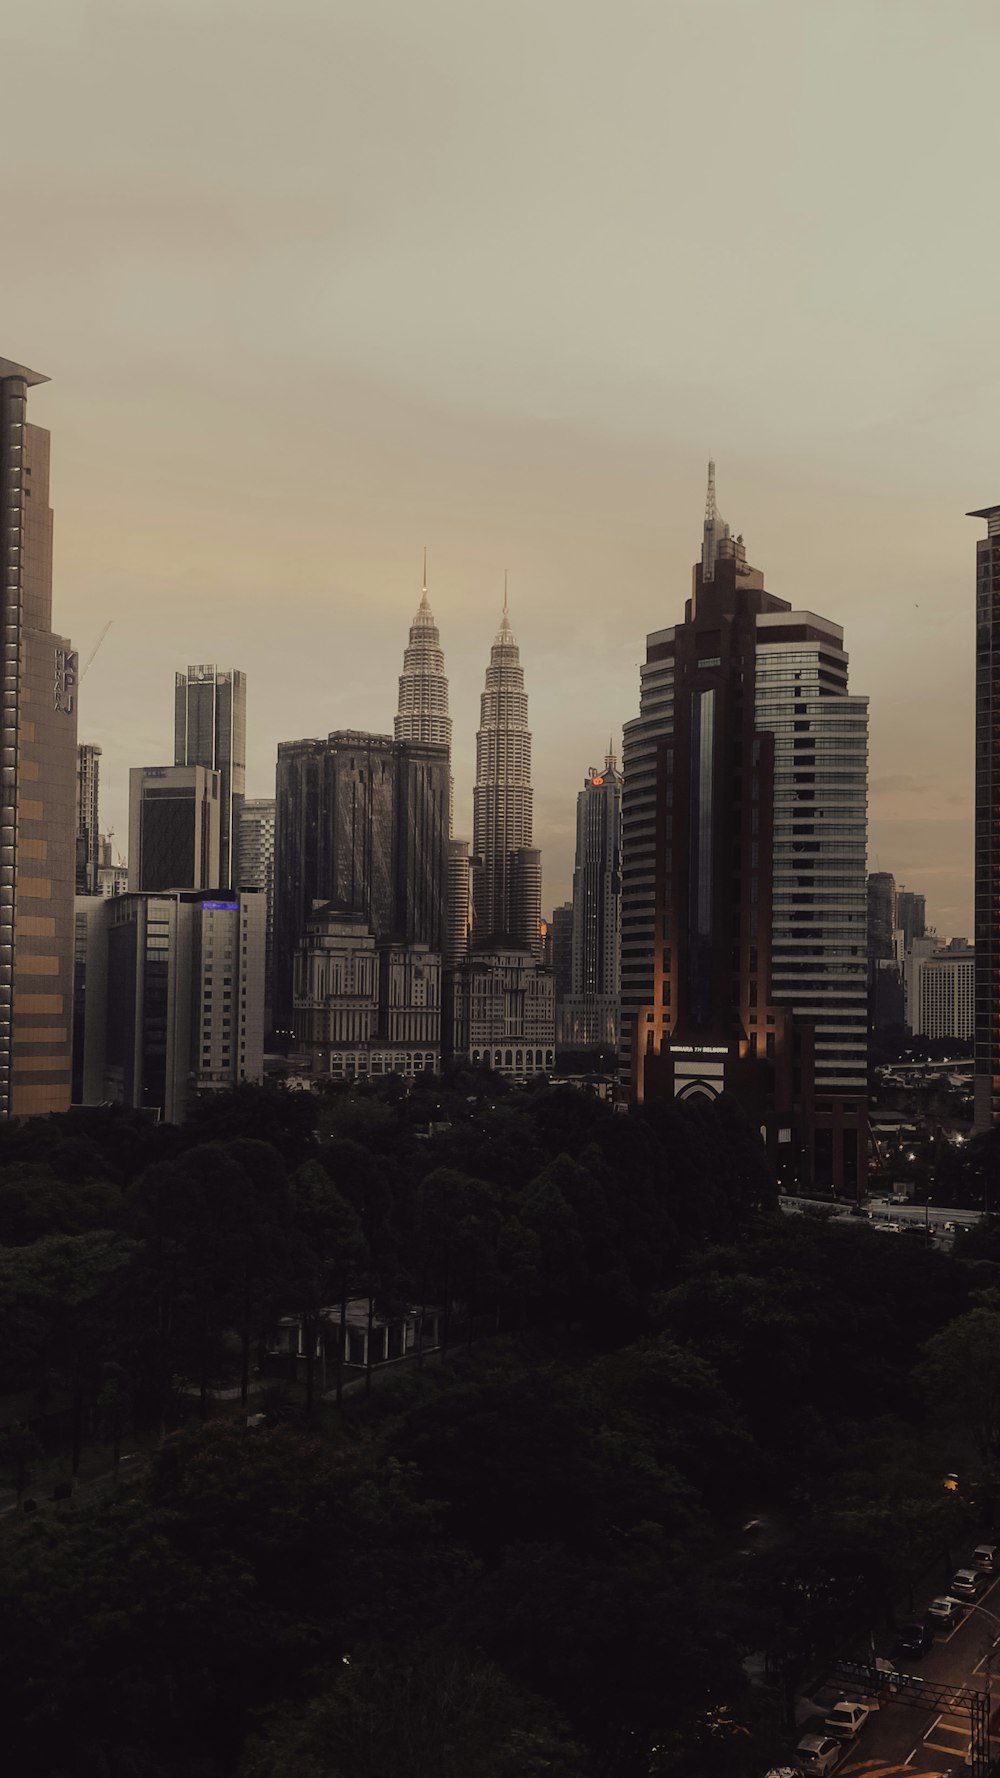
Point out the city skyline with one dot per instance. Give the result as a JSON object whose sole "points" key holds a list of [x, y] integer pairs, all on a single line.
{"points": [[511, 329]]}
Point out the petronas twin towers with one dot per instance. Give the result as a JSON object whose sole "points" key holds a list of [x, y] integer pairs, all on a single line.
{"points": [[505, 869]]}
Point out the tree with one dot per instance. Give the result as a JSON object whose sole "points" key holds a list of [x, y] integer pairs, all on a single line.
{"points": [[330, 1252], [19, 1450], [426, 1708], [960, 1376]]}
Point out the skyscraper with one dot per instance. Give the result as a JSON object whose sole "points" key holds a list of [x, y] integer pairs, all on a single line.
{"points": [[210, 729], [911, 916], [255, 870], [37, 777], [423, 684], [173, 827], [362, 823], [987, 867], [744, 907], [591, 1009], [87, 817], [502, 801]]}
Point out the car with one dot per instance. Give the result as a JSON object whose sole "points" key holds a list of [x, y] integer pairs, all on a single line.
{"points": [[847, 1719], [914, 1640], [984, 1556], [967, 1583], [944, 1613], [818, 1753]]}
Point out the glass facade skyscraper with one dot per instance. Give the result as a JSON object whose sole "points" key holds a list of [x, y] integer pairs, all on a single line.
{"points": [[744, 904], [361, 823], [210, 729]]}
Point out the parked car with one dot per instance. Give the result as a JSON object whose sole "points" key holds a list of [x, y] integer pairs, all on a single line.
{"points": [[944, 1613], [914, 1640], [818, 1753], [967, 1583], [984, 1556], [847, 1719]]}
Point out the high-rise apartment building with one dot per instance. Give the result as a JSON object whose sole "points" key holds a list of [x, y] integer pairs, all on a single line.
{"points": [[362, 823], [255, 859], [174, 827], [210, 729], [502, 803], [987, 841], [590, 1011], [87, 817], [171, 997], [38, 693], [744, 950]]}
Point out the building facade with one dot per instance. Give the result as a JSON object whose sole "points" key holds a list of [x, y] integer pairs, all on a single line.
{"points": [[363, 1009], [361, 822], [174, 827], [589, 1012], [210, 729], [744, 948], [911, 916], [505, 1012], [170, 997], [38, 716], [987, 831], [940, 988], [255, 870]]}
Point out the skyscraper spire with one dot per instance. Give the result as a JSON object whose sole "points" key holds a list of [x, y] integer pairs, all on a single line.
{"points": [[505, 633], [716, 531], [423, 685]]}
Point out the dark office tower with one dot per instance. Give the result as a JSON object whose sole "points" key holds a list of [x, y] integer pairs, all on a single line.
{"points": [[744, 909], [210, 729], [502, 798], [881, 887], [173, 828], [87, 818], [987, 907], [591, 1009], [911, 916], [459, 907], [561, 931], [255, 859], [885, 980], [362, 823], [37, 777]]}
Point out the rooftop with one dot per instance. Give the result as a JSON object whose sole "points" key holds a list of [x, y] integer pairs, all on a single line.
{"points": [[9, 369]]}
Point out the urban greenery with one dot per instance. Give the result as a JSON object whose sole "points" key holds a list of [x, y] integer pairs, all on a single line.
{"points": [[679, 1449]]}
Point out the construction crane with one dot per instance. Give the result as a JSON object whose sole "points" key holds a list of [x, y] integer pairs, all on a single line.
{"points": [[96, 646]]}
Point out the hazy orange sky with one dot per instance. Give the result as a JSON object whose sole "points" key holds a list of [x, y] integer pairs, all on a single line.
{"points": [[317, 284]]}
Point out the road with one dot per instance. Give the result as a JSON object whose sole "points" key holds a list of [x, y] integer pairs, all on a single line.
{"points": [[907, 1741]]}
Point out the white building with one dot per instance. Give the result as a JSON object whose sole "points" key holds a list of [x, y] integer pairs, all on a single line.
{"points": [[169, 997], [940, 988]]}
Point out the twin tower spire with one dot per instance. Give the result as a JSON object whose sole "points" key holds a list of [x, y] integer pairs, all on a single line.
{"points": [[503, 796]]}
